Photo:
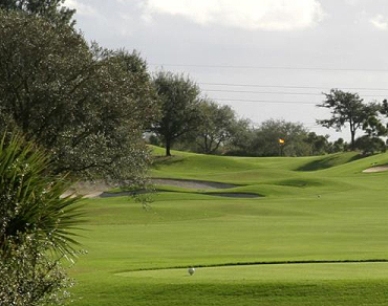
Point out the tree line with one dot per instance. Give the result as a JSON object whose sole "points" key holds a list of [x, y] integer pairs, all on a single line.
{"points": [[196, 124]]}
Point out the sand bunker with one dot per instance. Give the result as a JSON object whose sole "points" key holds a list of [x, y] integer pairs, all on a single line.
{"points": [[376, 169], [192, 184], [99, 188]]}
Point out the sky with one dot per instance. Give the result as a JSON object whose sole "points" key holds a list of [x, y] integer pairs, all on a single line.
{"points": [[267, 59]]}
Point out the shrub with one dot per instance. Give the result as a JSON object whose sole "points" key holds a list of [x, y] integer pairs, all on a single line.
{"points": [[36, 226]]}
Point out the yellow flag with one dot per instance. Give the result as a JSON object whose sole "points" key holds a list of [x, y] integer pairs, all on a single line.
{"points": [[281, 141]]}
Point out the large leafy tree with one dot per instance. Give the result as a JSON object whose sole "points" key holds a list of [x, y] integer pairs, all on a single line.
{"points": [[217, 125], [36, 225], [86, 105], [178, 97], [347, 108], [52, 10]]}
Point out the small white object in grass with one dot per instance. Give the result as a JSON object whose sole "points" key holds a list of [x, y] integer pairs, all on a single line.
{"points": [[191, 270]]}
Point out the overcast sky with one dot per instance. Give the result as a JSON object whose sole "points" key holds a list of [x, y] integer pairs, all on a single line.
{"points": [[267, 59]]}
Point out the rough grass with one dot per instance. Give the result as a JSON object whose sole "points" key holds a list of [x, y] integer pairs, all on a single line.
{"points": [[138, 255]]}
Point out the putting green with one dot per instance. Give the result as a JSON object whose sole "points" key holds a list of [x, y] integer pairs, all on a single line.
{"points": [[267, 273]]}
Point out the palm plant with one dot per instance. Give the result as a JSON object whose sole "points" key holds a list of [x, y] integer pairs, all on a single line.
{"points": [[36, 223]]}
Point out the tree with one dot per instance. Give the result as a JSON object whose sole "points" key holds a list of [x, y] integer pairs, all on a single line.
{"points": [[373, 127], [319, 143], [178, 97], [86, 105], [269, 132], [346, 108], [338, 146], [384, 111], [217, 125], [36, 226], [51, 10], [241, 141], [370, 144], [384, 107]]}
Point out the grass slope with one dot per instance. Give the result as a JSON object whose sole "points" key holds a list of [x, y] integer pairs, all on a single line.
{"points": [[312, 210]]}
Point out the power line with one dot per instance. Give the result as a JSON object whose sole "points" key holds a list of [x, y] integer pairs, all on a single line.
{"points": [[270, 67], [294, 87], [277, 93], [263, 92], [264, 101]]}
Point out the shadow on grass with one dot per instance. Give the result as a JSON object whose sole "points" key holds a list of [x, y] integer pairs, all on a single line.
{"points": [[239, 195], [224, 195], [300, 183], [166, 160], [329, 161]]}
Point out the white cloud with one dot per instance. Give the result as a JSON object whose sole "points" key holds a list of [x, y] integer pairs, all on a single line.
{"points": [[82, 9], [379, 22], [352, 2], [279, 15]]}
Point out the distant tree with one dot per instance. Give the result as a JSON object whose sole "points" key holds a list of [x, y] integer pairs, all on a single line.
{"points": [[51, 10], [36, 226], [319, 143], [384, 107], [337, 146], [269, 132], [347, 108], [217, 125], [373, 127], [384, 112], [178, 97], [86, 105], [370, 144], [241, 140]]}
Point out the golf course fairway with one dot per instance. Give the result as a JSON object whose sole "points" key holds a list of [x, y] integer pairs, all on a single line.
{"points": [[316, 234]]}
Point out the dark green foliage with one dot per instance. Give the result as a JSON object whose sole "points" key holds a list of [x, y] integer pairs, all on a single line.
{"points": [[348, 108], [370, 145], [216, 129], [265, 140], [37, 223], [178, 97], [51, 10], [87, 106], [384, 107], [29, 278], [217, 126], [240, 142], [319, 143], [338, 146], [373, 127]]}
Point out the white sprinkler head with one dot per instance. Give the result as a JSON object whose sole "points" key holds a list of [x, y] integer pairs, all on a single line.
{"points": [[191, 270]]}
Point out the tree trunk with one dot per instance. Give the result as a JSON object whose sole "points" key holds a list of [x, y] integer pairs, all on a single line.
{"points": [[352, 134], [352, 138], [168, 147]]}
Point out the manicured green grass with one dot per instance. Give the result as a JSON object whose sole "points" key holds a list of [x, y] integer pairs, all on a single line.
{"points": [[138, 255]]}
